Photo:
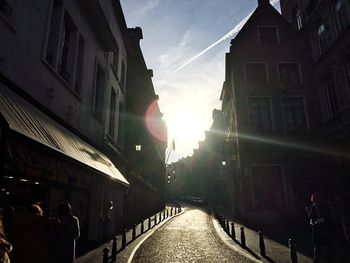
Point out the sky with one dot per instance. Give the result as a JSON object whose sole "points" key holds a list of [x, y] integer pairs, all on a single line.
{"points": [[184, 42]]}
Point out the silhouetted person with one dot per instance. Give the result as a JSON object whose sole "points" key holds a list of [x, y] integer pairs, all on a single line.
{"points": [[30, 236], [66, 234], [5, 246], [321, 222]]}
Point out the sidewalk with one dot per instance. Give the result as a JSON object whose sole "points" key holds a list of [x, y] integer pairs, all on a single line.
{"points": [[95, 255], [275, 252]]}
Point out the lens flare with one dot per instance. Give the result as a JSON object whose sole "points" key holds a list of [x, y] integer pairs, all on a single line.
{"points": [[155, 123]]}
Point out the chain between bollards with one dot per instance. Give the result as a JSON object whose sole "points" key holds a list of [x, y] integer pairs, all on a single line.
{"points": [[242, 237], [105, 255], [262, 244], [293, 252]]}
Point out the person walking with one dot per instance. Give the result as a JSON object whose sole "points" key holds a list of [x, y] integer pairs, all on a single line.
{"points": [[66, 235], [321, 222], [5, 246]]}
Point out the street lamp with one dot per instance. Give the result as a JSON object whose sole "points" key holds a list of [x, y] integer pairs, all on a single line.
{"points": [[138, 147], [223, 163]]}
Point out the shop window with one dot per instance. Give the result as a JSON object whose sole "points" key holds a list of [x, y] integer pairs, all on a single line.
{"points": [[255, 73], [289, 72], [112, 112], [268, 35], [99, 91], [340, 15], [260, 114], [294, 113]]}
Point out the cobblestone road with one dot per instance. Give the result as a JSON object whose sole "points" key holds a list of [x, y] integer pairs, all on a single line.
{"points": [[189, 237]]}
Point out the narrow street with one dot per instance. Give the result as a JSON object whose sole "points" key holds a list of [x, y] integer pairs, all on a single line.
{"points": [[189, 237]]}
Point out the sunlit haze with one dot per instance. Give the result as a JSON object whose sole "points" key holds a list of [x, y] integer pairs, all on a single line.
{"points": [[185, 42]]}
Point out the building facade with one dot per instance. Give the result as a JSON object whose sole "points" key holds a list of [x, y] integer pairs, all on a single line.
{"points": [[325, 26], [63, 100], [272, 118]]}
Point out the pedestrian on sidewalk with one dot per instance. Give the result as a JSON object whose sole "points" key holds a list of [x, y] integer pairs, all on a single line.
{"points": [[5, 246], [68, 231], [321, 222]]}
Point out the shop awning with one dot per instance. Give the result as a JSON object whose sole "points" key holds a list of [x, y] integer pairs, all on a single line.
{"points": [[26, 119]]}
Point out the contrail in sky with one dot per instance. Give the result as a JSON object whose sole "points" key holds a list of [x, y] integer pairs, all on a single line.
{"points": [[230, 34]]}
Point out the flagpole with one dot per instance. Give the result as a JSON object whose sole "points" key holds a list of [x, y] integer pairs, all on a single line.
{"points": [[171, 148]]}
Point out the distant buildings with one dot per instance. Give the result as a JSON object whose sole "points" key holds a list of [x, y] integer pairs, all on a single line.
{"points": [[66, 114]]}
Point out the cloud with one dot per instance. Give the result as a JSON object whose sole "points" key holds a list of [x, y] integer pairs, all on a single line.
{"points": [[228, 35]]}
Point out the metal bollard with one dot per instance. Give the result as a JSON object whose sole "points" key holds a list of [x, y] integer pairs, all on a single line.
{"points": [[167, 213], [242, 237], [105, 255], [262, 244], [293, 252], [114, 249], [160, 217], [149, 223], [233, 232], [142, 227], [180, 208], [163, 214], [124, 239], [155, 220], [171, 211], [134, 232], [227, 226]]}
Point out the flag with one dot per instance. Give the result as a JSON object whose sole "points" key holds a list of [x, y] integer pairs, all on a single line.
{"points": [[173, 145]]}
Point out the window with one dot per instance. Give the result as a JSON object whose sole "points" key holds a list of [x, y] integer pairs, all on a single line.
{"points": [[328, 98], [294, 114], [123, 75], [121, 126], [112, 112], [321, 35], [99, 91], [298, 20], [289, 72], [340, 15], [260, 114], [269, 197], [53, 39], [268, 35], [255, 72], [67, 51], [79, 67], [116, 60]]}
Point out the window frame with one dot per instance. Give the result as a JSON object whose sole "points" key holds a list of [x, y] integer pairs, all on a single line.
{"points": [[299, 72], [270, 108], [278, 40], [266, 72], [306, 116], [342, 11], [95, 110]]}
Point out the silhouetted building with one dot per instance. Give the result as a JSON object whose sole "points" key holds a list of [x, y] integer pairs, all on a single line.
{"points": [[272, 119], [146, 128], [325, 26]]}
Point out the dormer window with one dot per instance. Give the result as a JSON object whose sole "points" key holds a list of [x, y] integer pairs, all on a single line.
{"points": [[268, 35], [340, 15], [321, 38], [298, 20]]}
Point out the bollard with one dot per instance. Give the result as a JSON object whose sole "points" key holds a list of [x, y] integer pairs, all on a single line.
{"points": [[242, 237], [124, 239], [142, 227], [163, 214], [262, 245], [227, 227], [149, 223], [180, 208], [293, 252], [160, 217], [114, 249], [233, 232], [155, 220], [171, 211], [105, 255], [167, 213], [134, 232]]}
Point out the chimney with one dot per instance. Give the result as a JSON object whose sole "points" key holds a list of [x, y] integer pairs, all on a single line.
{"points": [[263, 2]]}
